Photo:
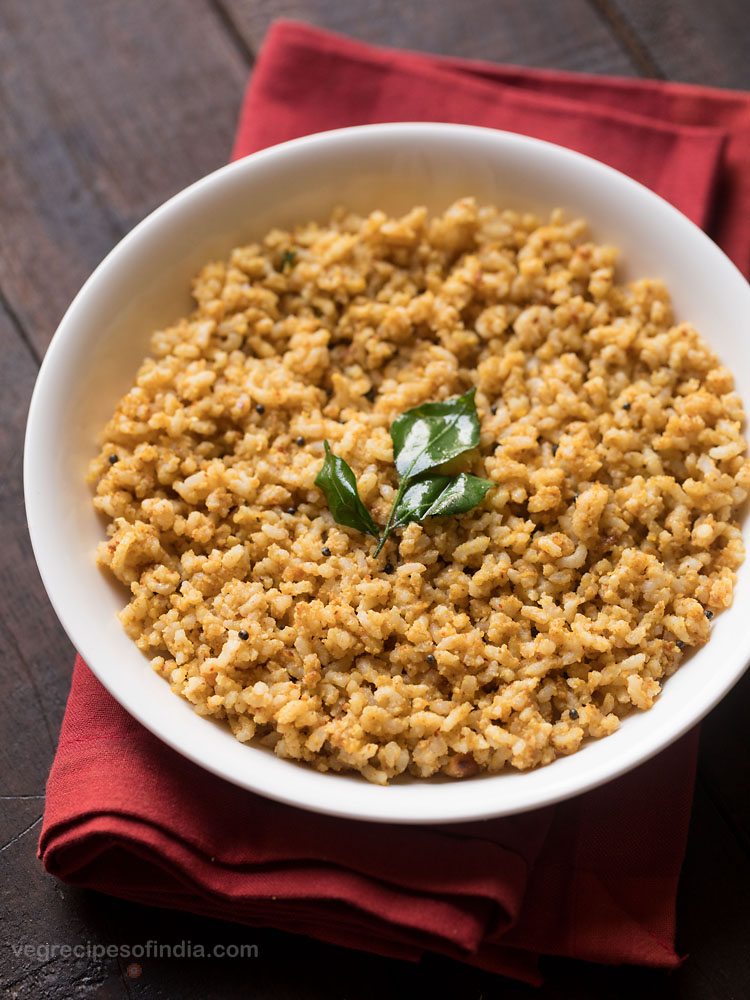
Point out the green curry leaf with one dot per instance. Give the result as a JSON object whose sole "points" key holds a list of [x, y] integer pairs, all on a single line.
{"points": [[338, 483], [417, 499], [439, 496], [434, 433]]}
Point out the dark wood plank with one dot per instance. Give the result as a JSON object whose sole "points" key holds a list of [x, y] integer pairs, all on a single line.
{"points": [[35, 654], [713, 913], [35, 662], [42, 912], [724, 761], [106, 109], [566, 34], [689, 40]]}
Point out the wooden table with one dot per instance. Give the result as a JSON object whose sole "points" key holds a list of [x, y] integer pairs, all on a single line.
{"points": [[109, 107]]}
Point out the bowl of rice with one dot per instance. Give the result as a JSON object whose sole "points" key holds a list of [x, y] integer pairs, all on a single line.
{"points": [[300, 308]]}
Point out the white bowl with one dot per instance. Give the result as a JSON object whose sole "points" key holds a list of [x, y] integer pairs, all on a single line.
{"points": [[144, 282]]}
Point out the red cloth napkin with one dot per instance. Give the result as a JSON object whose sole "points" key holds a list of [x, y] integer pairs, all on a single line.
{"points": [[593, 878]]}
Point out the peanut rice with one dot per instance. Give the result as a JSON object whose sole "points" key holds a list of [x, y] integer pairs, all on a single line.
{"points": [[506, 636]]}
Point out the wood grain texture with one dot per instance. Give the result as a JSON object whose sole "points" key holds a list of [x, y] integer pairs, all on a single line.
{"points": [[724, 760], [34, 652], [107, 108], [690, 40], [713, 912], [566, 34]]}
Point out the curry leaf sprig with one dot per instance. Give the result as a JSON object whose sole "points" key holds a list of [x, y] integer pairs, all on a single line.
{"points": [[426, 440], [339, 484]]}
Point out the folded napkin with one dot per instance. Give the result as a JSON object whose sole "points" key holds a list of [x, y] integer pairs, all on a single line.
{"points": [[592, 878]]}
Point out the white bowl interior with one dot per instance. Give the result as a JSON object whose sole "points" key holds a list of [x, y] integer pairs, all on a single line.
{"points": [[145, 283]]}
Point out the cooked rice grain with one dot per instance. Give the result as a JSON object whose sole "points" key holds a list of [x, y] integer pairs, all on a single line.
{"points": [[504, 637]]}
